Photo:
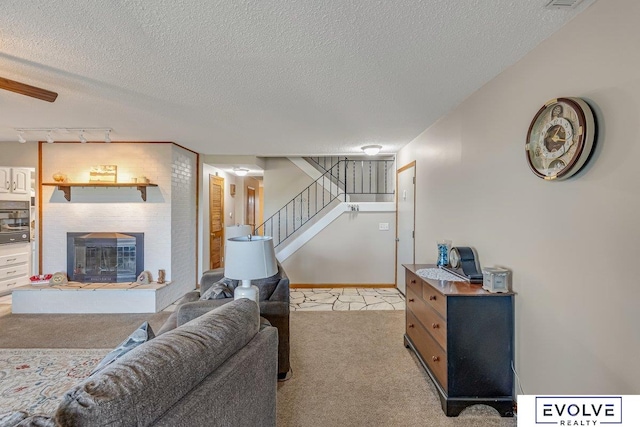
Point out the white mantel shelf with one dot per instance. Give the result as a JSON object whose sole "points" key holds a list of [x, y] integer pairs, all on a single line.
{"points": [[65, 187]]}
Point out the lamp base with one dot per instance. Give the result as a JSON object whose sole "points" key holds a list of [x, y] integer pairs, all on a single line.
{"points": [[246, 290]]}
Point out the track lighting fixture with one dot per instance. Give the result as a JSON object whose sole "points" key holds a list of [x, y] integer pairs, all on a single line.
{"points": [[49, 133]]}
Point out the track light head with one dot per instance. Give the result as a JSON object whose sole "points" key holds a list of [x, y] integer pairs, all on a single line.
{"points": [[82, 138], [21, 139], [49, 138], [107, 136]]}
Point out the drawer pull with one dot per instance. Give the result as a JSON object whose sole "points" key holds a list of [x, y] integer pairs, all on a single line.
{"points": [[413, 280], [411, 325], [12, 284], [432, 297], [435, 325], [411, 300], [435, 358], [11, 272], [11, 259]]}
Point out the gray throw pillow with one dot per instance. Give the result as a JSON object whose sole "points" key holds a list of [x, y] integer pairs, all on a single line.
{"points": [[223, 288], [141, 335], [267, 285]]}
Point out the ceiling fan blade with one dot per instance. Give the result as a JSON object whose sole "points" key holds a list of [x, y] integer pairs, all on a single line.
{"points": [[24, 89]]}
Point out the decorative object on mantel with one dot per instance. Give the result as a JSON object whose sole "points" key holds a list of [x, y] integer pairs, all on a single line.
{"points": [[59, 278], [161, 276], [103, 173], [144, 278], [561, 138], [59, 177]]}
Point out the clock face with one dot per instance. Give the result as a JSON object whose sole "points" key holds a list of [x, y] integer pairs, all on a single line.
{"points": [[560, 138], [454, 258]]}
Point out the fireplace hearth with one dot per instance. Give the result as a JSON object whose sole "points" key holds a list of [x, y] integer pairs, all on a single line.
{"points": [[105, 257]]}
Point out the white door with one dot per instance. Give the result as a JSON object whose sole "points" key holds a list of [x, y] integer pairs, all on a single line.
{"points": [[405, 238]]}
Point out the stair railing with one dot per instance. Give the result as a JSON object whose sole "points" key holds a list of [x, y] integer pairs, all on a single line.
{"points": [[352, 177]]}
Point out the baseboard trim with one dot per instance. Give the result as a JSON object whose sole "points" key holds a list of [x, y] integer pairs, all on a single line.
{"points": [[341, 285]]}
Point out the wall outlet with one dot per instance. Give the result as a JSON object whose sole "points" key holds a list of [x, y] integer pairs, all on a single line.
{"points": [[383, 226]]}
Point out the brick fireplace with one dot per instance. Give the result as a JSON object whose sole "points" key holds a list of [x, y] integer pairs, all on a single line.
{"points": [[167, 219]]}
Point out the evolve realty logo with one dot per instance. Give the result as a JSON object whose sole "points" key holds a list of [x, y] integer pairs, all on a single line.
{"points": [[578, 410]]}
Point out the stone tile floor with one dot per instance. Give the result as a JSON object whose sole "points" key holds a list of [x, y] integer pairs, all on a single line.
{"points": [[317, 299], [345, 299]]}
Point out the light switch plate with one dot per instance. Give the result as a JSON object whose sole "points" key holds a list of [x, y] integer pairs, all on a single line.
{"points": [[383, 226]]}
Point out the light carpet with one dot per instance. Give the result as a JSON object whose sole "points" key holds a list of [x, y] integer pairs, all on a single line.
{"points": [[352, 369], [34, 380]]}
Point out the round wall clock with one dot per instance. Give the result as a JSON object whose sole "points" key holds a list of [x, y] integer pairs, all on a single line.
{"points": [[560, 138]]}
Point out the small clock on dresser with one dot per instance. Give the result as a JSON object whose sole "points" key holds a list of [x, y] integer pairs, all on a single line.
{"points": [[560, 138]]}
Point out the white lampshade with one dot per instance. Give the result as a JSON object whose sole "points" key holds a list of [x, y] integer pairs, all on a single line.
{"points": [[236, 231], [248, 258]]}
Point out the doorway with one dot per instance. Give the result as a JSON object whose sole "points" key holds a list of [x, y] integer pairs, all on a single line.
{"points": [[216, 221], [405, 218], [251, 208]]}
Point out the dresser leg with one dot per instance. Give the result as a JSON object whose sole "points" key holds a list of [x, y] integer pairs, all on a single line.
{"points": [[406, 343]]}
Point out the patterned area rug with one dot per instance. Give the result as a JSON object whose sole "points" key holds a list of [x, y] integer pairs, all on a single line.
{"points": [[34, 379]]}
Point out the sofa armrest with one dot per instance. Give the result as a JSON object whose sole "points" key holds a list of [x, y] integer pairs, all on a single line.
{"points": [[274, 308], [192, 310], [172, 320]]}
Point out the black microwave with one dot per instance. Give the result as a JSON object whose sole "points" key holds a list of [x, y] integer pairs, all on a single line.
{"points": [[14, 221]]}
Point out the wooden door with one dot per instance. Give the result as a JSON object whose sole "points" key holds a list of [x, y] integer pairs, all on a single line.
{"points": [[216, 221], [251, 208]]}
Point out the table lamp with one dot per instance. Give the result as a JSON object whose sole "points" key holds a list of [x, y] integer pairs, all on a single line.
{"points": [[237, 231], [248, 258]]}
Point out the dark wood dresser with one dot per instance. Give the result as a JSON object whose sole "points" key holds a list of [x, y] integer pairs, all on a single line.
{"points": [[463, 337]]}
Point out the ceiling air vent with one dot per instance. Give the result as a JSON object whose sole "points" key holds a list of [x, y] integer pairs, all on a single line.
{"points": [[563, 4]]}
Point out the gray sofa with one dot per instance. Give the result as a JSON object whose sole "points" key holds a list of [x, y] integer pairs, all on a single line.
{"points": [[217, 370], [274, 306]]}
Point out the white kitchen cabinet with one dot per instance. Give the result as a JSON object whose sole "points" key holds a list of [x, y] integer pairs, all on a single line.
{"points": [[15, 183], [15, 268]]}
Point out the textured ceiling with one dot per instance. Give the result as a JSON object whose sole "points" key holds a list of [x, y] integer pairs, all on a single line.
{"points": [[260, 77]]}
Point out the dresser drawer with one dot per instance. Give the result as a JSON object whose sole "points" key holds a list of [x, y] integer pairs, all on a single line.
{"points": [[426, 315], [14, 271], [20, 258], [435, 300], [15, 282], [432, 354], [414, 283]]}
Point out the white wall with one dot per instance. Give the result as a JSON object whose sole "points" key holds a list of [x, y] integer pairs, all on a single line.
{"points": [[167, 218], [351, 250], [19, 155], [572, 245], [282, 181]]}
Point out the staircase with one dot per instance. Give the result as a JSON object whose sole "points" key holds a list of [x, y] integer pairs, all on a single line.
{"points": [[344, 181]]}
